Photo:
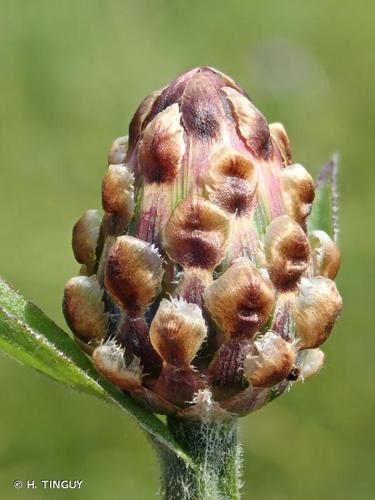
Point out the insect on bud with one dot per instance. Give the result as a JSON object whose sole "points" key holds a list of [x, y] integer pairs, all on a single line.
{"points": [[270, 361]]}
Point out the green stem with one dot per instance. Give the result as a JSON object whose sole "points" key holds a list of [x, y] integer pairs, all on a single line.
{"points": [[213, 447]]}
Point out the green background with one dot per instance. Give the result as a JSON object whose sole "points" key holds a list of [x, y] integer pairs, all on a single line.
{"points": [[71, 75]]}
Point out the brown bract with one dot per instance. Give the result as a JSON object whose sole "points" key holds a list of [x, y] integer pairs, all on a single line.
{"points": [[270, 360], [197, 234], [84, 239], [252, 125], [133, 273], [287, 252], [83, 308], [279, 135], [325, 253], [298, 192], [231, 181], [109, 360], [162, 147], [177, 331], [241, 300], [318, 305]]}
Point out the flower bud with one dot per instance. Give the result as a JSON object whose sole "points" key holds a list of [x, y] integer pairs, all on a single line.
{"points": [[270, 361], [202, 285]]}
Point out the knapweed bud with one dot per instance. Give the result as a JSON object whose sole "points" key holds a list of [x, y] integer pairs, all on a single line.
{"points": [[203, 293]]}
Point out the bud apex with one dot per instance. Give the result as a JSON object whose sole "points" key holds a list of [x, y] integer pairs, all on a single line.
{"points": [[287, 252], [241, 300], [83, 308], [133, 274], [270, 361], [251, 123], [317, 308], [325, 253], [177, 331]]}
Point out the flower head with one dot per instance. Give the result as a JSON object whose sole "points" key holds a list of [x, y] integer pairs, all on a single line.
{"points": [[200, 278]]}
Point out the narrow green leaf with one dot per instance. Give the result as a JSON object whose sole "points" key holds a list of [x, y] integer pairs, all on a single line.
{"points": [[30, 337], [324, 214]]}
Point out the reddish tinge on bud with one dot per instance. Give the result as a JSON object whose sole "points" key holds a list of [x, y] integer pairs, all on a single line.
{"points": [[200, 291]]}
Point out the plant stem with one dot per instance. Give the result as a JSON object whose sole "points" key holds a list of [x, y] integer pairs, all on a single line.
{"points": [[213, 447]]}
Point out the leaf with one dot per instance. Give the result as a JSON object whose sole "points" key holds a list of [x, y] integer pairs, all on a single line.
{"points": [[324, 214], [30, 337]]}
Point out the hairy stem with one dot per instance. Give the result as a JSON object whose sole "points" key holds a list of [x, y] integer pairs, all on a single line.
{"points": [[213, 447]]}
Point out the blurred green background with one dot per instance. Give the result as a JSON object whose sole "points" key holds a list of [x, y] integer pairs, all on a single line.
{"points": [[72, 74]]}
